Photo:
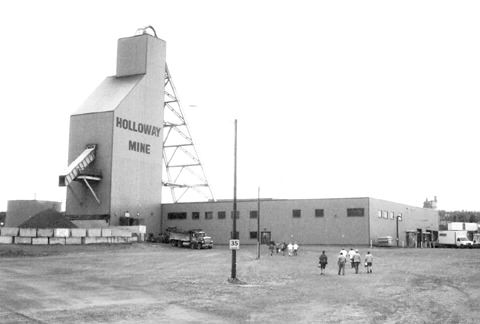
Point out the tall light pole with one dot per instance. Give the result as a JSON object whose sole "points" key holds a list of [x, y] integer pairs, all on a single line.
{"points": [[398, 218], [258, 225], [234, 230]]}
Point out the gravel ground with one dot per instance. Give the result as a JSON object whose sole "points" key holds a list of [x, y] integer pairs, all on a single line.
{"points": [[156, 283]]}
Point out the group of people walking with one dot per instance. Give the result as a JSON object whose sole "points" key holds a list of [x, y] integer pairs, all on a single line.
{"points": [[290, 248], [352, 256]]}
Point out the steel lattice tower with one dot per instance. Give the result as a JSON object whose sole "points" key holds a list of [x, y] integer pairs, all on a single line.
{"points": [[183, 169]]}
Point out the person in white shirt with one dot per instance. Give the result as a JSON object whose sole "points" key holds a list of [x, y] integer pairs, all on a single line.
{"points": [[295, 248], [351, 253], [290, 249], [356, 261]]}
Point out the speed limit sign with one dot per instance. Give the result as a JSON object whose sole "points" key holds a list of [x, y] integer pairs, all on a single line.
{"points": [[234, 244]]}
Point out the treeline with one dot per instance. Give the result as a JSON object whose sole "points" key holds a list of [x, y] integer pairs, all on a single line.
{"points": [[460, 216]]}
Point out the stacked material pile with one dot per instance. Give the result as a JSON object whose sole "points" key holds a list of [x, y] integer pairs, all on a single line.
{"points": [[48, 219]]}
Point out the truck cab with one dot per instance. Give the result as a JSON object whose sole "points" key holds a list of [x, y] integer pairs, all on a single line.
{"points": [[462, 241], [199, 240]]}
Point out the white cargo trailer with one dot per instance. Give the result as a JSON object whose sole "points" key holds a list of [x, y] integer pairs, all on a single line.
{"points": [[460, 226], [456, 226]]}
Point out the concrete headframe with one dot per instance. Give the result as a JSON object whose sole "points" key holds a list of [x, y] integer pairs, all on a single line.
{"points": [[116, 140]]}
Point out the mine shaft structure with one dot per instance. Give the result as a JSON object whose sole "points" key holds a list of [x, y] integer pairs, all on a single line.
{"points": [[119, 137]]}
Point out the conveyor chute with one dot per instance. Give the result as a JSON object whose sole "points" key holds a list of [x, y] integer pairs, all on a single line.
{"points": [[78, 165], [77, 170]]}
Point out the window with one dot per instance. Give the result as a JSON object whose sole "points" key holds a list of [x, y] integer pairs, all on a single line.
{"points": [[236, 237], [238, 214], [209, 215], [195, 215], [384, 214], [253, 235], [392, 215], [319, 213], [296, 213], [221, 215], [355, 212], [177, 216], [254, 214], [379, 214]]}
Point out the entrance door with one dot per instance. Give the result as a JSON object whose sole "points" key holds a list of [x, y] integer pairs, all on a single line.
{"points": [[266, 237]]}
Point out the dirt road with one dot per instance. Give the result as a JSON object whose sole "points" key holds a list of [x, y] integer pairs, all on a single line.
{"points": [[153, 283]]}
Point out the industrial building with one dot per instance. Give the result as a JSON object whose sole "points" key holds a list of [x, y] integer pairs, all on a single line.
{"points": [[356, 221], [118, 142]]}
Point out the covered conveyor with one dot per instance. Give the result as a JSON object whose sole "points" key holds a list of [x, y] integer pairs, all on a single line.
{"points": [[77, 170]]}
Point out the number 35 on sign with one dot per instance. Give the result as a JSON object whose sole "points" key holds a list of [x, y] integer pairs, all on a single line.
{"points": [[234, 244]]}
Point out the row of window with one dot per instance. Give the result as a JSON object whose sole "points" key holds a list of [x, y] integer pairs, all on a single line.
{"points": [[389, 215], [253, 235], [209, 215], [351, 212], [296, 213]]}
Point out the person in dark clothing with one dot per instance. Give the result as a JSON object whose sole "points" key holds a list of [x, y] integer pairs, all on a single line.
{"points": [[271, 247], [368, 262], [284, 248], [341, 263], [323, 261]]}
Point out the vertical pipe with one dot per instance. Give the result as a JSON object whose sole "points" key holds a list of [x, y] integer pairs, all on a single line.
{"points": [[234, 230]]}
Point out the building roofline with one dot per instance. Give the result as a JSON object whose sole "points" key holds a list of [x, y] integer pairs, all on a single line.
{"points": [[261, 199]]}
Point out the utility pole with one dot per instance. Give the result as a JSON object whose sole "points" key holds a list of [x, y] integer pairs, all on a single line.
{"points": [[234, 230], [258, 225], [398, 218]]}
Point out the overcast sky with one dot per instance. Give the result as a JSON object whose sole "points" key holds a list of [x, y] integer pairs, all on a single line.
{"points": [[333, 98]]}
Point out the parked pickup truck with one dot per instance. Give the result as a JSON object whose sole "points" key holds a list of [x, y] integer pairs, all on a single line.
{"points": [[454, 239], [195, 239]]}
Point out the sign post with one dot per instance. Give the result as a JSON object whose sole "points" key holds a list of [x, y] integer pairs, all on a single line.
{"points": [[234, 230], [234, 244]]}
